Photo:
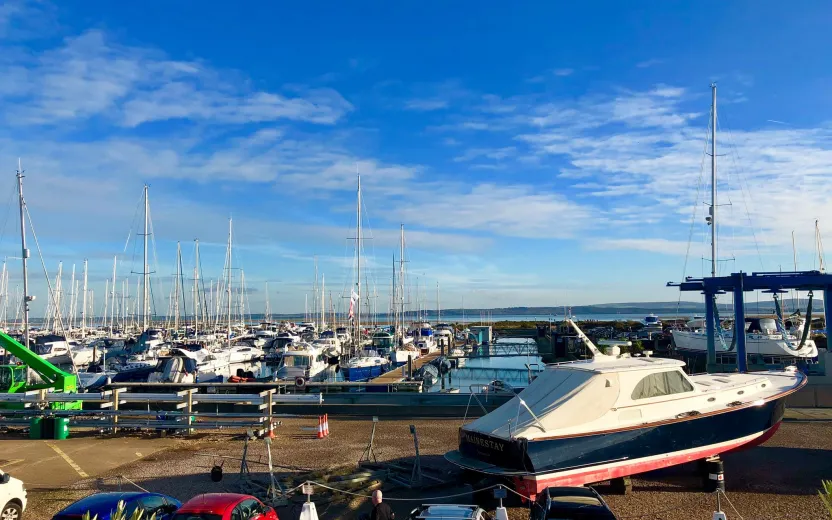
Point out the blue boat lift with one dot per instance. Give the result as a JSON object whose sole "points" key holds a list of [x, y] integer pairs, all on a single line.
{"points": [[740, 283]]}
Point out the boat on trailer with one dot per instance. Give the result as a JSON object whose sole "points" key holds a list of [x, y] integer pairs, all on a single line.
{"points": [[614, 416]]}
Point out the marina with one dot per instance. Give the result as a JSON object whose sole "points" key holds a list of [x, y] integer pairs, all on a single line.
{"points": [[414, 262]]}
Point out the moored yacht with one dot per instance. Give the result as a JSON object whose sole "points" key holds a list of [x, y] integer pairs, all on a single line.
{"points": [[762, 337], [614, 416], [302, 361], [365, 366]]}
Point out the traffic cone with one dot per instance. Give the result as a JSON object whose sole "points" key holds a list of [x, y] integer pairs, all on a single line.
{"points": [[320, 427], [271, 431], [326, 425]]}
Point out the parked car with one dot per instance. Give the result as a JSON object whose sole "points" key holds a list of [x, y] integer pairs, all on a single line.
{"points": [[224, 506], [570, 503], [105, 504], [448, 512], [12, 497]]}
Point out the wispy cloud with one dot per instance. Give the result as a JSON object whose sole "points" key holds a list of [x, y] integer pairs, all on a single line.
{"points": [[563, 72], [426, 105], [90, 76], [649, 63]]}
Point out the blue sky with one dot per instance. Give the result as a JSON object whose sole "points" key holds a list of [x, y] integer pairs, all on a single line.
{"points": [[537, 154]]}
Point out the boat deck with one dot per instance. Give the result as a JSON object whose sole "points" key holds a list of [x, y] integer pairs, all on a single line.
{"points": [[395, 375]]}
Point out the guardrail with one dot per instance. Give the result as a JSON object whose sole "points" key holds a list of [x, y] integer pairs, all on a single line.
{"points": [[184, 415]]}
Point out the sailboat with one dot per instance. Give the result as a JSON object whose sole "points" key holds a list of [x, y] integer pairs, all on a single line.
{"points": [[403, 348], [367, 363], [614, 416], [764, 336]]}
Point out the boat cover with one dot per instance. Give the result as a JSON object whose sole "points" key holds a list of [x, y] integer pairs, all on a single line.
{"points": [[559, 398]]}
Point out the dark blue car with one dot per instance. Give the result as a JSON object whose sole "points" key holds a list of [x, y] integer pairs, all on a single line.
{"points": [[105, 504]]}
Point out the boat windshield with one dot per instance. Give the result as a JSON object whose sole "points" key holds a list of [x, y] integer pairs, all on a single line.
{"points": [[296, 360], [383, 341]]}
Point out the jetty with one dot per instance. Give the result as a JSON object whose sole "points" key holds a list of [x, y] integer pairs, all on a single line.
{"points": [[397, 374]]}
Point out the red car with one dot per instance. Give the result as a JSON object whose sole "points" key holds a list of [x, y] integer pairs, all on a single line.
{"points": [[224, 506]]}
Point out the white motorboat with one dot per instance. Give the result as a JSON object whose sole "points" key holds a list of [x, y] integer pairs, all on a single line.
{"points": [[302, 362], [762, 337], [244, 353], [615, 416]]}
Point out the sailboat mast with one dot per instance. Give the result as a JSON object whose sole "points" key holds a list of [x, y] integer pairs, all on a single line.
{"points": [[196, 288], [713, 180], [228, 288], [323, 302], [401, 281], [358, 270], [176, 286], [24, 255], [146, 270], [438, 306], [113, 296], [268, 317], [84, 301]]}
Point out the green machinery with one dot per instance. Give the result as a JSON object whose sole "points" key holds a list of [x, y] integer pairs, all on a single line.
{"points": [[13, 377]]}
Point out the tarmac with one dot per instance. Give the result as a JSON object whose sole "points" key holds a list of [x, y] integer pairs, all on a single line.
{"points": [[776, 480]]}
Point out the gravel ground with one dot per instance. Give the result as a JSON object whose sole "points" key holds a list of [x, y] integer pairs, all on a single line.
{"points": [[777, 480]]}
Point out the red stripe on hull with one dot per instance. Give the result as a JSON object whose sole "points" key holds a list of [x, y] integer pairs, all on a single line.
{"points": [[531, 486]]}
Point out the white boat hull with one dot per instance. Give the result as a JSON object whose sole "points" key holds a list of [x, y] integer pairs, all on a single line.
{"points": [[763, 344]]}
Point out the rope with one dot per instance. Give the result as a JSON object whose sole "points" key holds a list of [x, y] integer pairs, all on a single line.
{"points": [[422, 499], [693, 216], [729, 503], [131, 482]]}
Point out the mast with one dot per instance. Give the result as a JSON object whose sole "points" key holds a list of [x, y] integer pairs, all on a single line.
{"points": [[794, 255], [713, 180], [819, 248], [401, 280], [438, 306], [358, 275], [84, 301], [196, 288], [323, 301], [228, 289], [394, 302], [113, 296], [4, 293], [268, 316], [176, 287], [24, 255], [146, 271], [72, 295], [57, 299]]}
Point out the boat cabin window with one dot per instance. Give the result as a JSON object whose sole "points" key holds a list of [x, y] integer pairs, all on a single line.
{"points": [[661, 383]]}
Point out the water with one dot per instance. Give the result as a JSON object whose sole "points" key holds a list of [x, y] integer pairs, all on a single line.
{"points": [[478, 372]]}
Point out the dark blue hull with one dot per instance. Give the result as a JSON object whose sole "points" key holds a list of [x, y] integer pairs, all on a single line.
{"points": [[560, 454], [364, 373]]}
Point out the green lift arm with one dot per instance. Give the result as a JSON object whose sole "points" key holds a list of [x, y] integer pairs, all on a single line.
{"points": [[13, 377]]}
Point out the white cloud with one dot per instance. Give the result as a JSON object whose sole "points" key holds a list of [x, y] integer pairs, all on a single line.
{"points": [[91, 76], [649, 63], [563, 72]]}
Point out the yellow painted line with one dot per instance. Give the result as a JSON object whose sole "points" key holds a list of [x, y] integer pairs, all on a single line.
{"points": [[13, 461], [69, 461]]}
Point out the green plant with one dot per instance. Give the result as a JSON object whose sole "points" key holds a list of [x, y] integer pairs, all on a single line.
{"points": [[120, 514], [637, 348], [826, 495]]}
